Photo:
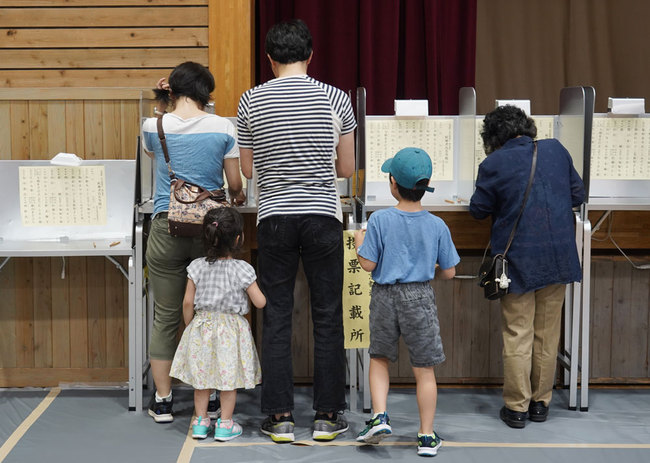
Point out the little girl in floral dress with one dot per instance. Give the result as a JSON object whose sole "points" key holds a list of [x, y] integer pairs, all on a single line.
{"points": [[217, 350]]}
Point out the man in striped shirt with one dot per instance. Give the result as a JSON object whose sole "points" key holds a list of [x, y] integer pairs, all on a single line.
{"points": [[298, 134]]}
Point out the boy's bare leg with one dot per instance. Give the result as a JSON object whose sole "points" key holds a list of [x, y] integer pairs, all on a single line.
{"points": [[427, 397], [379, 383]]}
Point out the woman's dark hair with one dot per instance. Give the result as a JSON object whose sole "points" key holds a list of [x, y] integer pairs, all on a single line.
{"points": [[221, 227], [289, 42], [504, 123], [407, 193], [189, 79]]}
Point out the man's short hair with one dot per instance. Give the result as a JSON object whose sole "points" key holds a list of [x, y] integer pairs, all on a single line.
{"points": [[289, 42]]}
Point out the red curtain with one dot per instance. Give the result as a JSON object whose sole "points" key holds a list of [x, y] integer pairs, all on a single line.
{"points": [[396, 49]]}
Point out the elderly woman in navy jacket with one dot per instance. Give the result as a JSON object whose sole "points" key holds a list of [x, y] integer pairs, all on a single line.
{"points": [[542, 257]]}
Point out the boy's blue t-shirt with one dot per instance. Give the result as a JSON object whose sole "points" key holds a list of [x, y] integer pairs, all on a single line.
{"points": [[407, 245]]}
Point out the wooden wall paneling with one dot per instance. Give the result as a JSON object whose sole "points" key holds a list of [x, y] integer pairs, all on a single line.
{"points": [[59, 267], [628, 228], [75, 128], [646, 319], [78, 278], [46, 377], [130, 128], [625, 326], [96, 281], [231, 35], [111, 130], [56, 137], [24, 275], [640, 305], [444, 291], [38, 148], [25, 79], [8, 316], [462, 330], [5, 130], [102, 17], [479, 309], [496, 339], [601, 321], [144, 37], [116, 312], [42, 287], [20, 130], [301, 326], [73, 58], [467, 232], [34, 3], [94, 133]]}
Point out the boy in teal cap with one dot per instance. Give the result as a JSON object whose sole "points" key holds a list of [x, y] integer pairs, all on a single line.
{"points": [[402, 247]]}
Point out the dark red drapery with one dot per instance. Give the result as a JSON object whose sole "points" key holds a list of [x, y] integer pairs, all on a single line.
{"points": [[396, 49]]}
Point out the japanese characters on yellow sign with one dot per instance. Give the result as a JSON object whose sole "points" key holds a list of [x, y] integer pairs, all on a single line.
{"points": [[356, 297]]}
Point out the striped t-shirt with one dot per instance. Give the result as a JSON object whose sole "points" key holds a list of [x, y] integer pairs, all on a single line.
{"points": [[292, 124]]}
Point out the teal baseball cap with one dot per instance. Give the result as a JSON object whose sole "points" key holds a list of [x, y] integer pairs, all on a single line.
{"points": [[408, 167]]}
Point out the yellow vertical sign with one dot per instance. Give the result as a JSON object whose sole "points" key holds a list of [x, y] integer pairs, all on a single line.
{"points": [[356, 297]]}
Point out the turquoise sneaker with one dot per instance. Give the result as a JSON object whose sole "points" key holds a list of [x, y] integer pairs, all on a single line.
{"points": [[428, 444], [225, 431], [377, 428], [200, 427]]}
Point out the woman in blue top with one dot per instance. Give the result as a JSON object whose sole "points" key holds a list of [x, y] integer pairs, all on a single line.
{"points": [[542, 257], [202, 147]]}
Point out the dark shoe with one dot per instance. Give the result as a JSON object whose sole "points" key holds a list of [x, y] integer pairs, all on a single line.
{"points": [[280, 430], [214, 409], [161, 412], [537, 411], [512, 418], [428, 444], [326, 428], [377, 428]]}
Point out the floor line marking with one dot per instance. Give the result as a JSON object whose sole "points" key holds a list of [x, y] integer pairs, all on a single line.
{"points": [[188, 446], [20, 431], [578, 445]]}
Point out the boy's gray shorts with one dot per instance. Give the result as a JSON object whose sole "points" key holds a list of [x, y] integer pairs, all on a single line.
{"points": [[408, 309]]}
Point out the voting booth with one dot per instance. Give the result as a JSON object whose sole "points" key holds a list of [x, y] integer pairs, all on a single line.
{"points": [[456, 150], [84, 208]]}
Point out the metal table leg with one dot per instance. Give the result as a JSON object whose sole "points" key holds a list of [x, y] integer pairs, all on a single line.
{"points": [[586, 309]]}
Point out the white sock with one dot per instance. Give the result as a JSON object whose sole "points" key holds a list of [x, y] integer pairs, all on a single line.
{"points": [[160, 399], [377, 414]]}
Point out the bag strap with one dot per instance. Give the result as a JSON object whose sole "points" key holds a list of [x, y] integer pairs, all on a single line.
{"points": [[523, 205], [163, 142]]}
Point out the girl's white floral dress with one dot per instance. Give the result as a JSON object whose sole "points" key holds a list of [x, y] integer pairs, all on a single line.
{"points": [[217, 350]]}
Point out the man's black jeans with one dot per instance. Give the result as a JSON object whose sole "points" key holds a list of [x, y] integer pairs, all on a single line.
{"points": [[282, 241]]}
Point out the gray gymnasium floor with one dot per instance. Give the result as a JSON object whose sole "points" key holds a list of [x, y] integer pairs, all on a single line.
{"points": [[73, 425]]}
